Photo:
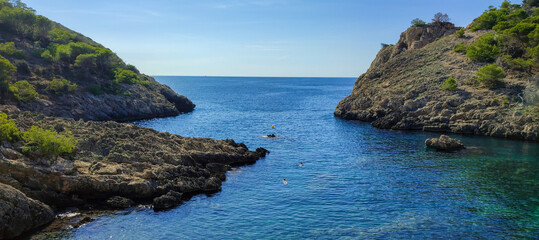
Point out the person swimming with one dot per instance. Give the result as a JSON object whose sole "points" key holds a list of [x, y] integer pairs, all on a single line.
{"points": [[301, 164], [285, 182]]}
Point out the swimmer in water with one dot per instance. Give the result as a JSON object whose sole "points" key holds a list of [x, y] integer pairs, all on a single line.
{"points": [[285, 182], [301, 164]]}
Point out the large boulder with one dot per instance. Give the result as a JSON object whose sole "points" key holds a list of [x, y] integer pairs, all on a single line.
{"points": [[167, 201], [444, 143], [19, 213]]}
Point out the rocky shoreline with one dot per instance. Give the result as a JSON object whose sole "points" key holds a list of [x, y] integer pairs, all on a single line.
{"points": [[112, 162]]}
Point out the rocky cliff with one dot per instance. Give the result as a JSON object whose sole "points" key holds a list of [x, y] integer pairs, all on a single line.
{"points": [[403, 90]]}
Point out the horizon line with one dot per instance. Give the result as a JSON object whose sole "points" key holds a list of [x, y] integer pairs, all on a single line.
{"points": [[240, 76]]}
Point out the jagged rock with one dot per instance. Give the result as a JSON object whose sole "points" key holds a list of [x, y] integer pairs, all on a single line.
{"points": [[119, 202], [167, 201], [19, 213], [444, 143], [418, 37], [262, 152]]}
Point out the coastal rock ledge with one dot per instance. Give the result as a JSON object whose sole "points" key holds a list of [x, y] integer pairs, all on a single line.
{"points": [[114, 165], [444, 143]]}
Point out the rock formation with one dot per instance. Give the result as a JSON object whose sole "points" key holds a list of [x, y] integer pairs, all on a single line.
{"points": [[444, 143], [114, 165], [401, 90], [19, 213]]}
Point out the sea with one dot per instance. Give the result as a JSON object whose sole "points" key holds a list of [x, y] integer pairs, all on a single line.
{"points": [[356, 182]]}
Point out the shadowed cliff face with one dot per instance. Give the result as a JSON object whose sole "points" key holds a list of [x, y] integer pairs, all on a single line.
{"points": [[402, 90]]}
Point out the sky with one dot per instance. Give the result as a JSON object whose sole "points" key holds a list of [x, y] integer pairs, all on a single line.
{"points": [[279, 38]]}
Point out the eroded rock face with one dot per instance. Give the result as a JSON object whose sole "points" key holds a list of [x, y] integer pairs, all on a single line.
{"points": [[444, 143], [19, 213], [418, 37], [402, 90], [138, 102]]}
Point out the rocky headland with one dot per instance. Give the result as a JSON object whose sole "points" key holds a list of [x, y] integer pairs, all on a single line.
{"points": [[50, 69], [428, 82]]}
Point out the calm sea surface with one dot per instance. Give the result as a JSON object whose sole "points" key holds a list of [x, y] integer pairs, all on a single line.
{"points": [[357, 182]]}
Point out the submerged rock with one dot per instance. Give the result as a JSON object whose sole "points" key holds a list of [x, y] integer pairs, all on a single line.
{"points": [[444, 143]]}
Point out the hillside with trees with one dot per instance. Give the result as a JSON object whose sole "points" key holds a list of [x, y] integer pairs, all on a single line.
{"points": [[482, 79], [46, 67]]}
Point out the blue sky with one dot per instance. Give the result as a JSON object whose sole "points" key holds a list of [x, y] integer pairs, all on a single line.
{"points": [[311, 38]]}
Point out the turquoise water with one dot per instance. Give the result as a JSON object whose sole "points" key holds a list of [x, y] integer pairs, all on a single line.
{"points": [[357, 182]]}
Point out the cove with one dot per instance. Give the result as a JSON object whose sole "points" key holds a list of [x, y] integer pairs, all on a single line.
{"points": [[356, 181]]}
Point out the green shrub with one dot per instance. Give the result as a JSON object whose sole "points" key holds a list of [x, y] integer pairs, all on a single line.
{"points": [[125, 76], [47, 55], [8, 129], [450, 84], [17, 18], [521, 30], [516, 63], [23, 91], [460, 33], [49, 142], [6, 69], [62, 36], [87, 60], [69, 52], [485, 49], [487, 20], [61, 86], [460, 48], [418, 23], [9, 49], [490, 75]]}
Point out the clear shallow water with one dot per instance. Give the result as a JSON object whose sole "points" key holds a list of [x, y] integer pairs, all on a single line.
{"points": [[356, 182]]}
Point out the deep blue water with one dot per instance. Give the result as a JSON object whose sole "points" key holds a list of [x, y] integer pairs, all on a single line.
{"points": [[357, 182]]}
